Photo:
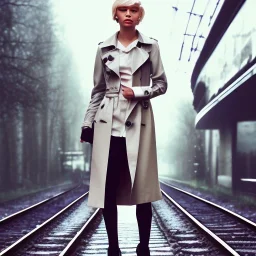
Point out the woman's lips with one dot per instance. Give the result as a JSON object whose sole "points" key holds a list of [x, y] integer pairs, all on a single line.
{"points": [[130, 21]]}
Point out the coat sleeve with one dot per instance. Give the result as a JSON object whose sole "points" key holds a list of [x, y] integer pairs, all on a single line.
{"points": [[159, 81], [98, 91]]}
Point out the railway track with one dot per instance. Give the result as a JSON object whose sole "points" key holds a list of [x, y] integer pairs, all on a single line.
{"points": [[233, 232], [33, 206], [18, 225], [79, 230], [95, 241], [14, 205], [52, 236]]}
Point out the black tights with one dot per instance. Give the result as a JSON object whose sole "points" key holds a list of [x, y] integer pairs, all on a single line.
{"points": [[144, 217], [117, 159]]}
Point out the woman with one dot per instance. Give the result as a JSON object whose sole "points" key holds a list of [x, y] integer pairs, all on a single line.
{"points": [[128, 73]]}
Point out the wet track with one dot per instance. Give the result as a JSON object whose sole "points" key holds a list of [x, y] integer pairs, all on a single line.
{"points": [[17, 225], [12, 206], [75, 232], [95, 242], [237, 232]]}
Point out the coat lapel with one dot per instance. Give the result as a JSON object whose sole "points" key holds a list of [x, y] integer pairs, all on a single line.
{"points": [[139, 56], [112, 60], [110, 54], [141, 52], [111, 57]]}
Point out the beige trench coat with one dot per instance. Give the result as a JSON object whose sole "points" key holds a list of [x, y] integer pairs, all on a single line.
{"points": [[149, 80]]}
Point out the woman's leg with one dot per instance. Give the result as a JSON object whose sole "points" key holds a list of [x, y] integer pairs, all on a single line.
{"points": [[144, 218], [112, 181], [110, 217]]}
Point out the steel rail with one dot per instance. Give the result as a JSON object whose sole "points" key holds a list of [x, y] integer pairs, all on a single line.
{"points": [[9, 250], [247, 221], [11, 216], [67, 250], [200, 225]]}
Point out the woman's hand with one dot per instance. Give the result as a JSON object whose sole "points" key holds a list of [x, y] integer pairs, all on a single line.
{"points": [[86, 135], [127, 92]]}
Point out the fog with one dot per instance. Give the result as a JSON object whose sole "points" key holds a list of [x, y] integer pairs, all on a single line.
{"points": [[47, 55], [166, 21]]}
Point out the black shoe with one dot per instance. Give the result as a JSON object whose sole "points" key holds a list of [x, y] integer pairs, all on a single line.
{"points": [[114, 252], [142, 251]]}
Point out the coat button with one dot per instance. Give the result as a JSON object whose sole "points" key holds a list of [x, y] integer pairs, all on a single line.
{"points": [[146, 92], [128, 123], [110, 57], [145, 104]]}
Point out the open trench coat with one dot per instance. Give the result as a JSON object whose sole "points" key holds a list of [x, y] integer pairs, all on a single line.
{"points": [[148, 81]]}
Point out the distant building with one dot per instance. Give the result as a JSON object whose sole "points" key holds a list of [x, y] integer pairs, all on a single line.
{"points": [[224, 88]]}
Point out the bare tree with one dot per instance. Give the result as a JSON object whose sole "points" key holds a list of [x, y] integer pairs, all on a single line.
{"points": [[39, 99]]}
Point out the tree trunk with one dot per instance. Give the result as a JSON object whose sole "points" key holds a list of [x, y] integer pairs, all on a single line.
{"points": [[43, 174], [5, 157]]}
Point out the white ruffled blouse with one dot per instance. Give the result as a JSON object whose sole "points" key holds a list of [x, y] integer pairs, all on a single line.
{"points": [[121, 104]]}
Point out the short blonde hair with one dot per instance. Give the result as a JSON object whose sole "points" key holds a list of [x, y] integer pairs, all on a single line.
{"points": [[118, 3]]}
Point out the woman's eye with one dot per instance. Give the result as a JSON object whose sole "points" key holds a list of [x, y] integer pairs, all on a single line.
{"points": [[135, 10], [122, 9]]}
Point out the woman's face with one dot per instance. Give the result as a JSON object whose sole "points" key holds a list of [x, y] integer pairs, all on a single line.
{"points": [[128, 16]]}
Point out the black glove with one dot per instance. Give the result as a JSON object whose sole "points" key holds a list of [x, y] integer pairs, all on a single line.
{"points": [[87, 134]]}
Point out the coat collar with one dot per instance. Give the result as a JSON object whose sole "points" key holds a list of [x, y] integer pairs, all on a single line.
{"points": [[110, 54], [112, 41]]}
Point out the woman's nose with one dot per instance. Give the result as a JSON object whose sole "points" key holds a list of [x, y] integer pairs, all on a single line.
{"points": [[128, 13]]}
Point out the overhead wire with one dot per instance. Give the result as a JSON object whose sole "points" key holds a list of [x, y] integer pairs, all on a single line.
{"points": [[210, 19], [182, 45], [201, 16], [194, 48]]}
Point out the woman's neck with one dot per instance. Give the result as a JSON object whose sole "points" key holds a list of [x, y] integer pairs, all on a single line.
{"points": [[127, 36]]}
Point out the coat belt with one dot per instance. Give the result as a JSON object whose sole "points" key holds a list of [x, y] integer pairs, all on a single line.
{"points": [[112, 94]]}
